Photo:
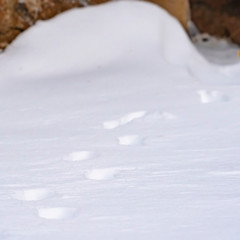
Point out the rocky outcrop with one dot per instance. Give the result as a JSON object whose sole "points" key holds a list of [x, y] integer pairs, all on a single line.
{"points": [[217, 17], [18, 15]]}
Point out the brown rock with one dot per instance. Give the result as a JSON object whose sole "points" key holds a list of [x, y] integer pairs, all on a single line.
{"points": [[217, 17], [17, 16], [6, 13]]}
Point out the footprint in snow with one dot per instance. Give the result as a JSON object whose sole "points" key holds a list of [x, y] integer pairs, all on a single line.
{"points": [[131, 140], [34, 194], [57, 213], [212, 96], [124, 120], [102, 174], [158, 116], [147, 117], [80, 156]]}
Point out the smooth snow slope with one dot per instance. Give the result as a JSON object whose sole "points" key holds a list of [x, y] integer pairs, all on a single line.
{"points": [[113, 126]]}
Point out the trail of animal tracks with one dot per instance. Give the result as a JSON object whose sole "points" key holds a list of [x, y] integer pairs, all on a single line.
{"points": [[114, 126]]}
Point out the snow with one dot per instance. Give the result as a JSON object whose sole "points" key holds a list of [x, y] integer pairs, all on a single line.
{"points": [[218, 51], [212, 96], [115, 126]]}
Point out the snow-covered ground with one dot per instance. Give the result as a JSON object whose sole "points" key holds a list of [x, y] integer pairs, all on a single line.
{"points": [[114, 126], [218, 51]]}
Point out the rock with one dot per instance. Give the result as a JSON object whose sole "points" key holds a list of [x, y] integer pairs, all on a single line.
{"points": [[16, 16], [178, 8], [220, 18]]}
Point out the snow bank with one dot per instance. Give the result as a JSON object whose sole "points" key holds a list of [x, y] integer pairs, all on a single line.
{"points": [[85, 39]]}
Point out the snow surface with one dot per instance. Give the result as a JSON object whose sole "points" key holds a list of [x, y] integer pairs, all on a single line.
{"points": [[114, 126], [219, 51]]}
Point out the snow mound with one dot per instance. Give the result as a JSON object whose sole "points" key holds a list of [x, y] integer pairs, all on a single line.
{"points": [[94, 37]]}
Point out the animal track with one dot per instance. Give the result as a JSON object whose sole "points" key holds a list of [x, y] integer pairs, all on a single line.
{"points": [[211, 96], [80, 156], [33, 194], [57, 213], [130, 140], [131, 116], [138, 115], [159, 116], [124, 120], [111, 124], [102, 174]]}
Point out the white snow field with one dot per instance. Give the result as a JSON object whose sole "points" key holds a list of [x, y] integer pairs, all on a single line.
{"points": [[114, 127]]}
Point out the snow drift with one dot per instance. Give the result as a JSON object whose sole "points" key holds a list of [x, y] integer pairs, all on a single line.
{"points": [[84, 39]]}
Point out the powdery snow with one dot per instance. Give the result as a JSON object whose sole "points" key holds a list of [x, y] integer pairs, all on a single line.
{"points": [[114, 126]]}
